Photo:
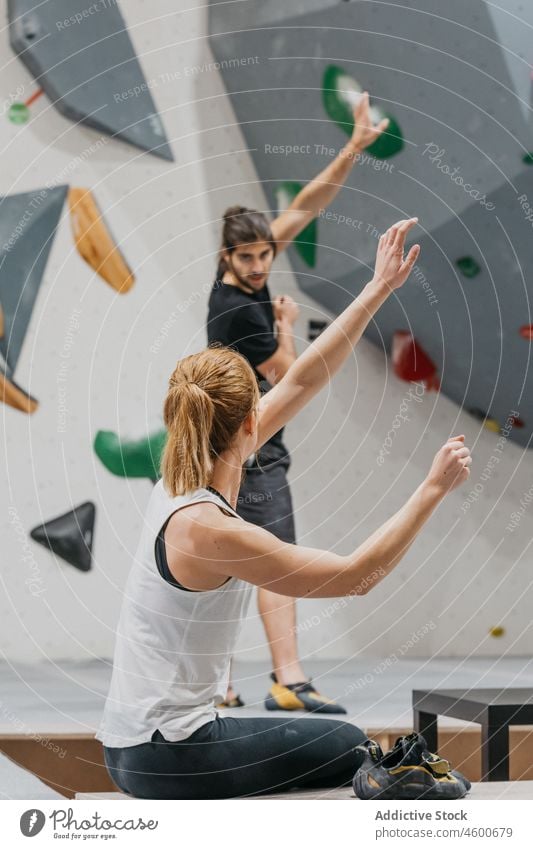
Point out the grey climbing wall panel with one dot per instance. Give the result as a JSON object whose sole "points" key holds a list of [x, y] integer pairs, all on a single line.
{"points": [[458, 88], [87, 65], [28, 223]]}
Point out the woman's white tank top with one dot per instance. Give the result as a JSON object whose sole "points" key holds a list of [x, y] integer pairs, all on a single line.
{"points": [[173, 647]]}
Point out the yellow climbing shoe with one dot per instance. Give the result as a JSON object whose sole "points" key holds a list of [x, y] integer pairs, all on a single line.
{"points": [[299, 697]]}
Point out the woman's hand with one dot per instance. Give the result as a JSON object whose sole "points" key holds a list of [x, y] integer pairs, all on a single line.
{"points": [[391, 269], [364, 132], [450, 468]]}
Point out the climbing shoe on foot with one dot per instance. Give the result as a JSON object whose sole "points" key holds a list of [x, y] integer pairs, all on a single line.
{"points": [[236, 701], [408, 771], [299, 697]]}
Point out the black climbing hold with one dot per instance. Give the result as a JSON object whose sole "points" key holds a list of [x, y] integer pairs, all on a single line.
{"points": [[70, 536]]}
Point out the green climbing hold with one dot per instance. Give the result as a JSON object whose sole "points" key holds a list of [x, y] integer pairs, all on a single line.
{"points": [[18, 113], [527, 158], [305, 242], [340, 93], [131, 458], [468, 266]]}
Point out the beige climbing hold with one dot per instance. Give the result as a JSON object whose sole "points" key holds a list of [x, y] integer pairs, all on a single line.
{"points": [[15, 397], [95, 242]]}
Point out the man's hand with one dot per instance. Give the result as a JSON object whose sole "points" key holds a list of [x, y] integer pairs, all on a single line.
{"points": [[391, 269], [285, 308], [365, 132], [450, 468]]}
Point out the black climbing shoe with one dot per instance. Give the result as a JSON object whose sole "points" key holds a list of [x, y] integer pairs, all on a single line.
{"points": [[408, 771], [404, 743]]}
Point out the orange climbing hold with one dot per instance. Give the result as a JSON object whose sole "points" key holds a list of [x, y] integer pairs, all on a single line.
{"points": [[15, 397], [411, 363], [526, 331], [95, 242]]}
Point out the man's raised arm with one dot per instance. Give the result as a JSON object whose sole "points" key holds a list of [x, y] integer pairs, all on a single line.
{"points": [[319, 193]]}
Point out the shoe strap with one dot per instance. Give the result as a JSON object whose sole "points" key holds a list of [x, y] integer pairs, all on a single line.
{"points": [[375, 751], [369, 748], [437, 765], [300, 687]]}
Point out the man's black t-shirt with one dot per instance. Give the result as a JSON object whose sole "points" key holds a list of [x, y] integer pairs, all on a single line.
{"points": [[245, 322]]}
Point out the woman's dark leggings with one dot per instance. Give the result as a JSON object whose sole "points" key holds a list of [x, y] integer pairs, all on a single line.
{"points": [[231, 757]]}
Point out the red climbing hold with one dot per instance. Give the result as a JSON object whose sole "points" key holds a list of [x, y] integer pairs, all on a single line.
{"points": [[411, 363], [526, 331]]}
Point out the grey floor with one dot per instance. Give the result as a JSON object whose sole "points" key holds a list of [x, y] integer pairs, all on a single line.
{"points": [[68, 697]]}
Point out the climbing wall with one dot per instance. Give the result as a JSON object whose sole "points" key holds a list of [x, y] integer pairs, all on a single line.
{"points": [[456, 86], [83, 58], [108, 257], [27, 230]]}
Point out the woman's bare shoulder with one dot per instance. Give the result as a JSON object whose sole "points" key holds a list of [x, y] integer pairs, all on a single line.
{"points": [[196, 525], [194, 543]]}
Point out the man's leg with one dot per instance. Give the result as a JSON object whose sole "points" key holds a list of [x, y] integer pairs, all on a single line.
{"points": [[278, 613], [265, 499]]}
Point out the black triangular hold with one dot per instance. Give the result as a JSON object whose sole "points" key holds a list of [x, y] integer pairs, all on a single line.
{"points": [[70, 536]]}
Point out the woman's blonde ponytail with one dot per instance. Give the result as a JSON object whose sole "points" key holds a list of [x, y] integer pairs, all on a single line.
{"points": [[186, 463], [209, 396]]}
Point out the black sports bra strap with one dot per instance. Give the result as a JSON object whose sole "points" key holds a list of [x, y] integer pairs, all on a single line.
{"points": [[161, 551], [162, 562]]}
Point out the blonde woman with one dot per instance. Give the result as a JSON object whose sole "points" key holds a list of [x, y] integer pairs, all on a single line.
{"points": [[198, 561]]}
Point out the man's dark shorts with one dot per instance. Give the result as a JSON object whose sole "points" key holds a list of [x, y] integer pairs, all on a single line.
{"points": [[265, 500]]}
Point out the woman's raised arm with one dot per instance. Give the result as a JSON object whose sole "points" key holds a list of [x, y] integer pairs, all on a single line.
{"points": [[317, 365], [245, 551]]}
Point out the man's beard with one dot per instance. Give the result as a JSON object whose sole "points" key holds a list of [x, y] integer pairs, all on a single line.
{"points": [[242, 281]]}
